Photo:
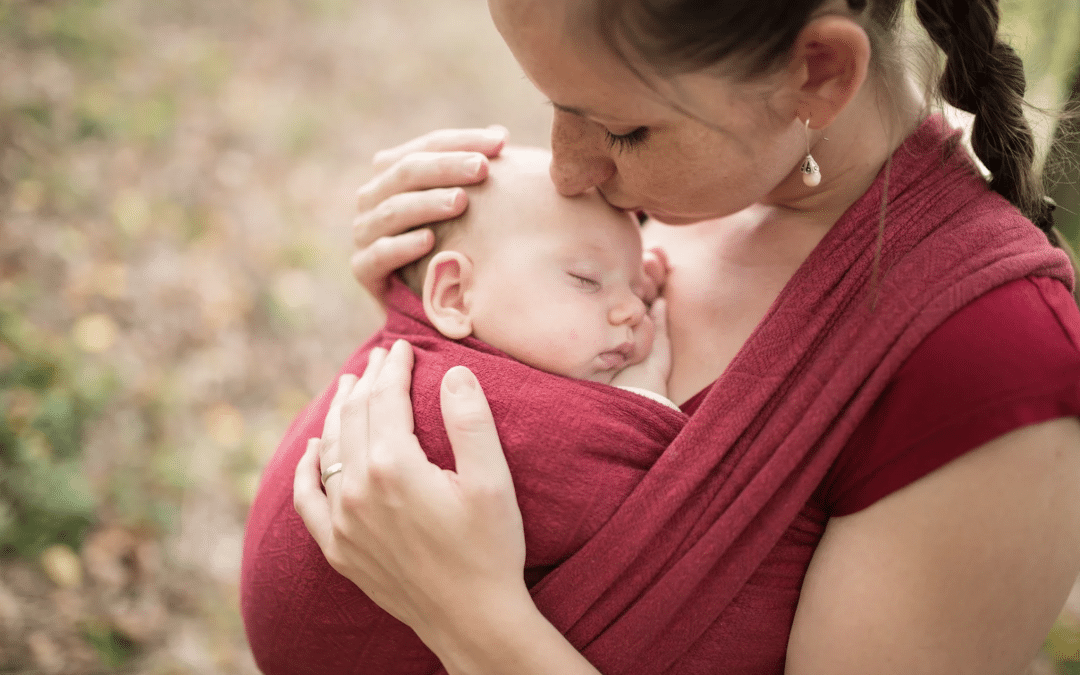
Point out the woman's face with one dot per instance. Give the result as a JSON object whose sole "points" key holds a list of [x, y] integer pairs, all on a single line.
{"points": [[632, 142]]}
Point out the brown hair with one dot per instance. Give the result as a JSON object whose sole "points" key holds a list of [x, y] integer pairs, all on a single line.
{"points": [[981, 75], [413, 274]]}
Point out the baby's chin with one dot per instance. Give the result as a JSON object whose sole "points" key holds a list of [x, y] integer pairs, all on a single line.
{"points": [[601, 376]]}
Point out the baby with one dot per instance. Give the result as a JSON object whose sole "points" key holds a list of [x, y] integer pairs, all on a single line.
{"points": [[551, 281]]}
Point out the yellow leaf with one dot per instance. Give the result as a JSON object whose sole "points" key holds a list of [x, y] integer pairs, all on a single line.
{"points": [[62, 565], [95, 333]]}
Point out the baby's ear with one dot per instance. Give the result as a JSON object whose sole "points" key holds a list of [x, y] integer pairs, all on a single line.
{"points": [[449, 275]]}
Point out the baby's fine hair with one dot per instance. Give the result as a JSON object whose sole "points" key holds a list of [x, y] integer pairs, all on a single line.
{"points": [[445, 231]]}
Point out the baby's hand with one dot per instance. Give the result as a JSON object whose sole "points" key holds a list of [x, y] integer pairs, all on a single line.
{"points": [[655, 268], [652, 372]]}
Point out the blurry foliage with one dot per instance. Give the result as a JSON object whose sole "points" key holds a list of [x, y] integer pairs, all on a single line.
{"points": [[113, 647], [44, 498]]}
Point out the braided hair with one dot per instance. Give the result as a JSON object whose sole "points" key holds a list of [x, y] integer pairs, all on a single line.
{"points": [[985, 77]]}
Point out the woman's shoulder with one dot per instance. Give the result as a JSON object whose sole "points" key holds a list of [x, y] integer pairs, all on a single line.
{"points": [[1006, 360]]}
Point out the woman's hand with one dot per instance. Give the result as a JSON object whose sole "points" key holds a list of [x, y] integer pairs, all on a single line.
{"points": [[417, 184], [443, 551]]}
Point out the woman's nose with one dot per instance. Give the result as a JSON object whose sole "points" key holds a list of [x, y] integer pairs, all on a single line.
{"points": [[579, 160], [631, 310]]}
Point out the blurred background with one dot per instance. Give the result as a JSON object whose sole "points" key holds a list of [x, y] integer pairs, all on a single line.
{"points": [[176, 191]]}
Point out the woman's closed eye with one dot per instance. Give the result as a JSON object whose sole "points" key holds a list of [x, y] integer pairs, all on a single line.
{"points": [[627, 141], [584, 282]]}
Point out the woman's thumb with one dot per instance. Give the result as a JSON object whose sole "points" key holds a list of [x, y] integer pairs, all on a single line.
{"points": [[477, 451]]}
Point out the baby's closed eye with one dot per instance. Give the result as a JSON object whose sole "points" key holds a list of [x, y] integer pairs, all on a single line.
{"points": [[584, 281]]}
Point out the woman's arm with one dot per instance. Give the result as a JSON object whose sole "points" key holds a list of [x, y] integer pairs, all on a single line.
{"points": [[442, 551], [963, 571]]}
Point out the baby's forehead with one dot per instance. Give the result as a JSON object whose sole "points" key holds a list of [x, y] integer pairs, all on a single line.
{"points": [[519, 191], [520, 172]]}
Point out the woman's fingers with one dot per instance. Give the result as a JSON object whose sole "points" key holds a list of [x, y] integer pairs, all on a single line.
{"points": [[330, 447], [478, 454], [308, 498], [373, 265], [400, 213], [489, 141], [391, 404], [332, 424], [422, 171], [417, 183]]}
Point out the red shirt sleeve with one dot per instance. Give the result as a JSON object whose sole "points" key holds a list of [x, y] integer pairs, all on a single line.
{"points": [[1009, 359]]}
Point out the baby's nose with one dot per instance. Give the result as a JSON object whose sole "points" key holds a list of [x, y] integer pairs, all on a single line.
{"points": [[629, 311]]}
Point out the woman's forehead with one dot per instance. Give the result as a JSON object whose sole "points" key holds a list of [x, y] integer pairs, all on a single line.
{"points": [[569, 61]]}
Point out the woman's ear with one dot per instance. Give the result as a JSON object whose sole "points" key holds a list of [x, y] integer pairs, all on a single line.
{"points": [[446, 286], [830, 62]]}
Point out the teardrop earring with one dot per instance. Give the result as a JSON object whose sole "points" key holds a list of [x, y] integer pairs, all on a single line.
{"points": [[811, 172]]}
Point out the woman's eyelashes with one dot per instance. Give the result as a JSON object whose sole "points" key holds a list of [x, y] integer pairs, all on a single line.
{"points": [[627, 141], [587, 283]]}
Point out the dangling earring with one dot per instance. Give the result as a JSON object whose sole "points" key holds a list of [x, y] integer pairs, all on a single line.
{"points": [[811, 172]]}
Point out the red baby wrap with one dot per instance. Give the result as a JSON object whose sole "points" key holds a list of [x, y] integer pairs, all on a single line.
{"points": [[669, 536], [576, 450]]}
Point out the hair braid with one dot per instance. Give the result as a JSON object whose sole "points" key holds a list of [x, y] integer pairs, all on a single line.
{"points": [[985, 77]]}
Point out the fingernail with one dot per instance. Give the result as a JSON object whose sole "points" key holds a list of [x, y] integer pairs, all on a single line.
{"points": [[460, 381], [344, 381], [452, 198], [472, 166], [496, 132], [417, 237], [312, 443]]}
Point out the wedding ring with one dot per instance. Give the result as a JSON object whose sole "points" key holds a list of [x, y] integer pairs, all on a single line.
{"points": [[330, 471]]}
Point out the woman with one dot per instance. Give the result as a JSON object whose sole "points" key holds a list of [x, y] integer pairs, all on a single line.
{"points": [[897, 499]]}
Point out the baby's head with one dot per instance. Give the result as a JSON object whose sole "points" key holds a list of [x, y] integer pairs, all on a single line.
{"points": [[555, 282]]}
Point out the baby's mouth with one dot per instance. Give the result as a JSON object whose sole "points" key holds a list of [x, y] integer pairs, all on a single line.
{"points": [[618, 357]]}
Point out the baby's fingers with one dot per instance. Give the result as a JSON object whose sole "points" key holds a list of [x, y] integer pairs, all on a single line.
{"points": [[655, 263], [658, 314]]}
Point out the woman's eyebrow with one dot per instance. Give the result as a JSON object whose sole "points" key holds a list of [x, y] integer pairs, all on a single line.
{"points": [[580, 112]]}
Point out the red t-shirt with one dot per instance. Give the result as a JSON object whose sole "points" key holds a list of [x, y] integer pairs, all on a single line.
{"points": [[1008, 359]]}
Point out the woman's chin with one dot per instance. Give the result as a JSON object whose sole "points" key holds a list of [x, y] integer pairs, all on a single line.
{"points": [[674, 219]]}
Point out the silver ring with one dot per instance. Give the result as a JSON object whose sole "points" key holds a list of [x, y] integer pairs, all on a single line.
{"points": [[330, 471]]}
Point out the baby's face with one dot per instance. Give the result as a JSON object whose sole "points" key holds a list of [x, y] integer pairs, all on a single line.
{"points": [[557, 281]]}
